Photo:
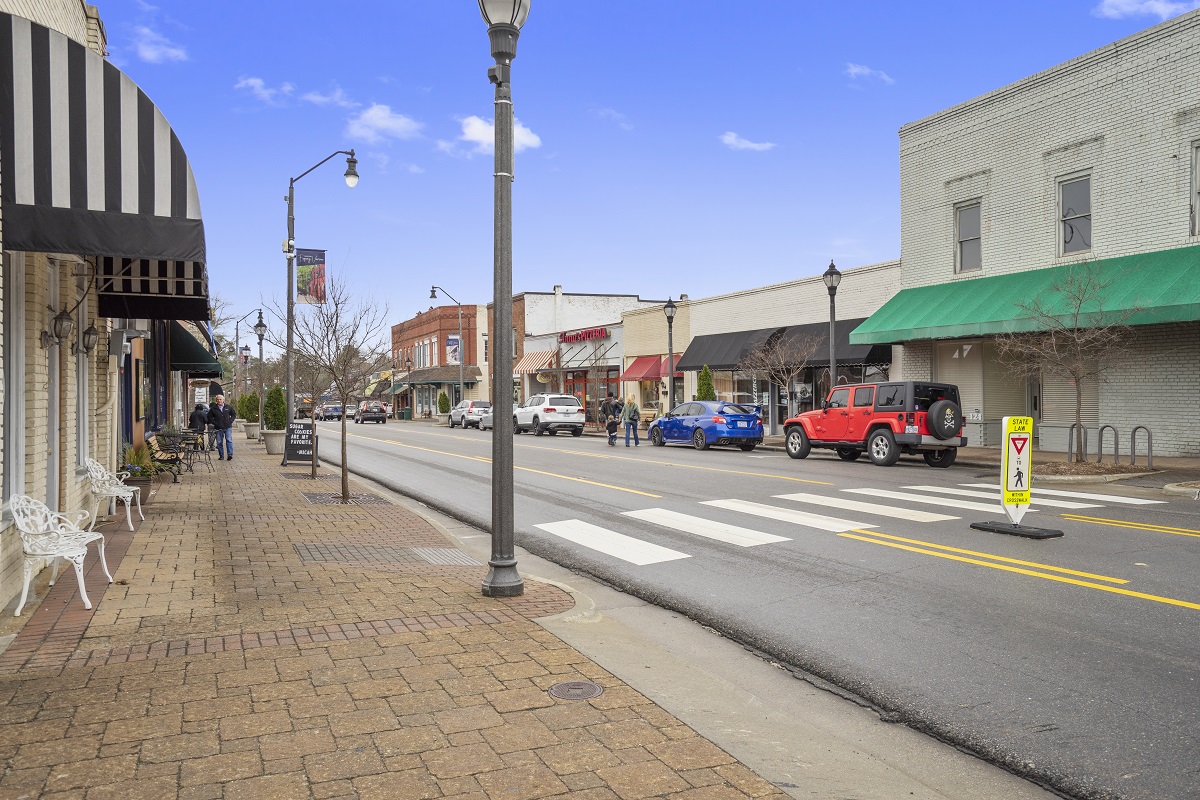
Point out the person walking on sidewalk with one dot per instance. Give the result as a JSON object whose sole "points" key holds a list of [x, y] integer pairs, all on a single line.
{"points": [[611, 425], [221, 417], [631, 415]]}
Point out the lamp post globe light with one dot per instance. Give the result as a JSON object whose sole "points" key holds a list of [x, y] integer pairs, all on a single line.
{"points": [[238, 350], [832, 278], [260, 330], [669, 311], [462, 346], [289, 250], [504, 19]]}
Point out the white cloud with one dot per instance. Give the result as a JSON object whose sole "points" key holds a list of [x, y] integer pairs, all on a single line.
{"points": [[379, 122], [1119, 9], [335, 98], [856, 71], [735, 142], [481, 134], [613, 115], [155, 48], [260, 90]]}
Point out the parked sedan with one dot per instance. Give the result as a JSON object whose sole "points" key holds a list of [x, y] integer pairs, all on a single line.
{"points": [[549, 413], [707, 422], [469, 412], [371, 412]]}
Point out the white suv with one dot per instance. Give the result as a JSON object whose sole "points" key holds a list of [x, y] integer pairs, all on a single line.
{"points": [[549, 412], [469, 412]]}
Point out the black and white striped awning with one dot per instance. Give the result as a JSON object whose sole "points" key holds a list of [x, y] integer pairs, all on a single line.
{"points": [[91, 167]]}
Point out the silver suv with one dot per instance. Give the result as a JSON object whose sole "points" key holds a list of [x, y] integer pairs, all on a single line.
{"points": [[469, 412], [549, 413]]}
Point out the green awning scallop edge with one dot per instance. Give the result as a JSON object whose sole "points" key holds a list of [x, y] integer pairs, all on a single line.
{"points": [[1157, 288]]}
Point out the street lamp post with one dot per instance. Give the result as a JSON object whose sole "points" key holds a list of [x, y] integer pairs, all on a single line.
{"points": [[669, 310], [504, 19], [244, 361], [408, 381], [289, 249], [462, 346], [260, 330], [832, 278], [237, 349]]}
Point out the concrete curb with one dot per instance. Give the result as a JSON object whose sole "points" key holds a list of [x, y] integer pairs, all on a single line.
{"points": [[1182, 490]]}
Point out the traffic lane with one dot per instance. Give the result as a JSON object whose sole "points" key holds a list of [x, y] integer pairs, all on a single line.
{"points": [[889, 660]]}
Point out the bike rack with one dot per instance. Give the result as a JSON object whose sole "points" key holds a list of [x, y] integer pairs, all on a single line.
{"points": [[1100, 444], [1149, 446], [1071, 442]]}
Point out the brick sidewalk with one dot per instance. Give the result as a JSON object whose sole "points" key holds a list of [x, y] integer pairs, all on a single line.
{"points": [[259, 646]]}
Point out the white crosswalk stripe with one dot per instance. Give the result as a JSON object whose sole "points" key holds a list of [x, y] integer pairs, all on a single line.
{"points": [[927, 499], [1106, 498], [710, 529], [788, 515], [892, 512], [995, 495], [611, 543]]}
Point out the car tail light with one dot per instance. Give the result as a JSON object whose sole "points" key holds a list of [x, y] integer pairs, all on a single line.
{"points": [[549, 410], [760, 422], [718, 420], [910, 418]]}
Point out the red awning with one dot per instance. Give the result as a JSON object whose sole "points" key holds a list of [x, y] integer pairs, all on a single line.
{"points": [[533, 362], [640, 366], [663, 368]]}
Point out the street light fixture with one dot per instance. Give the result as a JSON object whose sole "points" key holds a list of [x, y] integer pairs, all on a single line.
{"points": [[504, 19], [408, 380], [462, 346], [289, 249], [832, 278], [237, 350], [669, 310], [260, 330]]}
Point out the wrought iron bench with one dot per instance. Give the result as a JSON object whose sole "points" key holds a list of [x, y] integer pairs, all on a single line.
{"points": [[49, 536], [111, 484], [168, 455]]}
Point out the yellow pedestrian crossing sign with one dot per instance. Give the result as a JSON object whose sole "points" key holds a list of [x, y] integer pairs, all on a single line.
{"points": [[1016, 466]]}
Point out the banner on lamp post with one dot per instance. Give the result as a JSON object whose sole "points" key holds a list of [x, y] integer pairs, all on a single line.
{"points": [[453, 350], [310, 276]]}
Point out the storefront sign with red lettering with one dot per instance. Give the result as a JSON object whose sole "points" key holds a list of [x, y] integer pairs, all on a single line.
{"points": [[584, 335]]}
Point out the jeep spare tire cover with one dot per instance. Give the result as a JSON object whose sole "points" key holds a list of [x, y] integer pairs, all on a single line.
{"points": [[944, 419]]}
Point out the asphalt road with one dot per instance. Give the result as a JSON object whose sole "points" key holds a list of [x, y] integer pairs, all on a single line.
{"points": [[1073, 661]]}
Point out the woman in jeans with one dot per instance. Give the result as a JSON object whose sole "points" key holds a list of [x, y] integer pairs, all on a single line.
{"points": [[631, 415]]}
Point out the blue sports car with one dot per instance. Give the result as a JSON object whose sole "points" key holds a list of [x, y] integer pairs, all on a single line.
{"points": [[709, 422]]}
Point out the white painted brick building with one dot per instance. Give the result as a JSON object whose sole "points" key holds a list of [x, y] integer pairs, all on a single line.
{"points": [[1095, 160]]}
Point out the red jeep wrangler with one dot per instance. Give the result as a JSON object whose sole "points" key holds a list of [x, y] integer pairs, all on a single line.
{"points": [[884, 420]]}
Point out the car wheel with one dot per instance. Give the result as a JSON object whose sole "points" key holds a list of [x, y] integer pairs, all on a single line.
{"points": [[944, 419], [747, 447], [552, 433], [881, 447], [537, 427], [656, 437], [698, 440], [516, 427], [797, 444], [577, 431], [941, 458], [848, 453]]}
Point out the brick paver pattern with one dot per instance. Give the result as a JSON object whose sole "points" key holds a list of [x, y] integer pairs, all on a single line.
{"points": [[257, 646]]}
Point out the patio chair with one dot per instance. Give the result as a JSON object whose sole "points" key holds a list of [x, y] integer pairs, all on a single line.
{"points": [[47, 535], [111, 484]]}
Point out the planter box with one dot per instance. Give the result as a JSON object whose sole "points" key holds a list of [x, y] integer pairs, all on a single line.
{"points": [[274, 441], [251, 429], [443, 419], [239, 423], [147, 487]]}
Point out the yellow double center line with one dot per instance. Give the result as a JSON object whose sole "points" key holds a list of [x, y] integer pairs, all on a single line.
{"points": [[1139, 526], [1002, 563]]}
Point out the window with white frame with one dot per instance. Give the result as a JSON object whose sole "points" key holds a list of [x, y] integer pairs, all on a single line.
{"points": [[1075, 214], [1194, 199], [485, 348], [514, 342], [13, 393], [968, 236]]}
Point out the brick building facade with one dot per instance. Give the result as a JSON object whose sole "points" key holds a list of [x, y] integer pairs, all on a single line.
{"points": [[428, 340]]}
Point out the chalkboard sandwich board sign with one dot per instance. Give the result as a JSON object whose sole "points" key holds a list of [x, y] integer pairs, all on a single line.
{"points": [[298, 444]]}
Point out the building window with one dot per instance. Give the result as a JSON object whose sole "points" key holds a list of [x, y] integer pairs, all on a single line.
{"points": [[514, 341], [1194, 200], [1075, 214], [82, 432], [13, 394], [485, 345], [968, 234]]}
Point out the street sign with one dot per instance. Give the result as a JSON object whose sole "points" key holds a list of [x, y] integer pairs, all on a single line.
{"points": [[1016, 466]]}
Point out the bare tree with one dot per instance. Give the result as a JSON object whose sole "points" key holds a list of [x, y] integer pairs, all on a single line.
{"points": [[344, 340], [1074, 336], [782, 357]]}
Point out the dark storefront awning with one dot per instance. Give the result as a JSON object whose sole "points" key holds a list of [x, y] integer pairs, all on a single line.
{"points": [[189, 355], [1150, 288], [726, 351], [91, 167]]}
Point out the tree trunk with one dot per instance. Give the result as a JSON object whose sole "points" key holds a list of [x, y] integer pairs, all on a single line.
{"points": [[1079, 434]]}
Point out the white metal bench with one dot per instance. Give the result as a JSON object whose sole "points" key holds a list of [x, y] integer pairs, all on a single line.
{"points": [[107, 484], [49, 536]]}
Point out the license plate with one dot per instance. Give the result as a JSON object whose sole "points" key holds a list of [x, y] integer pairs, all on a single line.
{"points": [[742, 424]]}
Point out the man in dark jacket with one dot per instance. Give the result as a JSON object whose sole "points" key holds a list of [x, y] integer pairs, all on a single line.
{"points": [[199, 418], [221, 417]]}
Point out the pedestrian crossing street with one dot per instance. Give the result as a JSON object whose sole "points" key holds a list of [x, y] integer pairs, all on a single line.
{"points": [[813, 512]]}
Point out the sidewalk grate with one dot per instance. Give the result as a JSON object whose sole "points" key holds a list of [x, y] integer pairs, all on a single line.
{"points": [[307, 476], [335, 499], [445, 555], [381, 554]]}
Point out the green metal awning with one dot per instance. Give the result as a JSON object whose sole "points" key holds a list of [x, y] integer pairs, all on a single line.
{"points": [[189, 355], [1152, 288]]}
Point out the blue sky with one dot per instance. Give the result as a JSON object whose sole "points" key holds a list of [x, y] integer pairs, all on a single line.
{"points": [[665, 146]]}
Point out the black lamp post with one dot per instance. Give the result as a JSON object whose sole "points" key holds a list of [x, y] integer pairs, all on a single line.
{"points": [[504, 19], [832, 278], [260, 330], [408, 380], [289, 249], [669, 310], [462, 346]]}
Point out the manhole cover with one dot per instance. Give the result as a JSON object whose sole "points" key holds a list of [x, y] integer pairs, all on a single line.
{"points": [[576, 690]]}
